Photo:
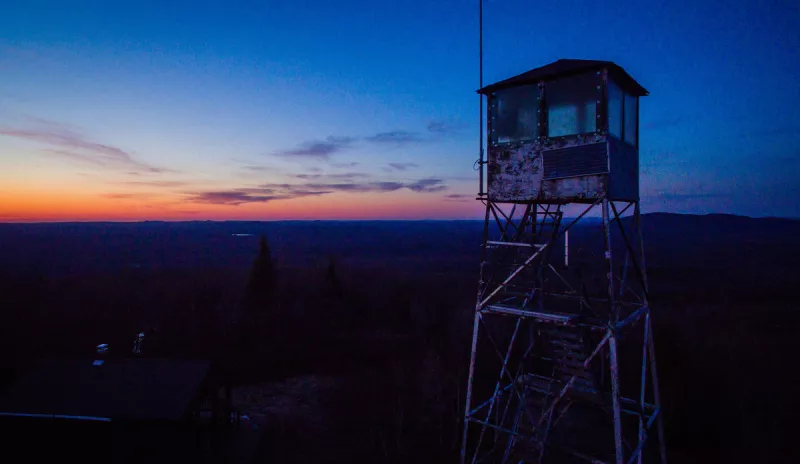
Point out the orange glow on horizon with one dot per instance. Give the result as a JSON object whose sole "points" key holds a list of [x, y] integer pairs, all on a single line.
{"points": [[72, 206]]}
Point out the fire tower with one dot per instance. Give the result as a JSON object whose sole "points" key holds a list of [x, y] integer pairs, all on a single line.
{"points": [[563, 364]]}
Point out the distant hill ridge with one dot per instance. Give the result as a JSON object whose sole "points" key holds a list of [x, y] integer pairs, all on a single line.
{"points": [[81, 248], [657, 215]]}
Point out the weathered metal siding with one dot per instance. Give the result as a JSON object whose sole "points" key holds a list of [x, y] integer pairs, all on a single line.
{"points": [[515, 172], [575, 189], [623, 183]]}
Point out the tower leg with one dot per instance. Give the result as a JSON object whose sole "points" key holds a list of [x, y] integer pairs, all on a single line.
{"points": [[612, 306], [650, 343], [662, 448], [643, 386], [468, 402], [638, 225], [612, 346], [499, 381], [476, 325], [612, 342]]}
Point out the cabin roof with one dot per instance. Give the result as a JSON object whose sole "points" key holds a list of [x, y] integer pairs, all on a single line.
{"points": [[567, 67], [141, 389]]}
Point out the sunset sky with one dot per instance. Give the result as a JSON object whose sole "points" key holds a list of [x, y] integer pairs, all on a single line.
{"points": [[367, 109]]}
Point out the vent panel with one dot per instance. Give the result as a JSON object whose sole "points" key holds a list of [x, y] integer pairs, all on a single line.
{"points": [[582, 160]]}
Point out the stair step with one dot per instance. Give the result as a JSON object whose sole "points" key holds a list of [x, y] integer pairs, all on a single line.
{"points": [[514, 244], [562, 334], [583, 388], [539, 316], [571, 365], [579, 381], [569, 371], [559, 351], [567, 345]]}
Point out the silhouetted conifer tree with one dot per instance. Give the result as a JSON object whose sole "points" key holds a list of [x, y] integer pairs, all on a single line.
{"points": [[332, 279], [262, 276]]}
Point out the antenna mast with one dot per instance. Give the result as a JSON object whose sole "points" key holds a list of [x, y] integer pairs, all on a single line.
{"points": [[481, 161]]}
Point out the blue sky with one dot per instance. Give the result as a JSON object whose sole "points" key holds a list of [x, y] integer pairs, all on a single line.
{"points": [[211, 107]]}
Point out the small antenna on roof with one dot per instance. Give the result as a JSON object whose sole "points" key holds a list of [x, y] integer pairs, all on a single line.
{"points": [[481, 161]]}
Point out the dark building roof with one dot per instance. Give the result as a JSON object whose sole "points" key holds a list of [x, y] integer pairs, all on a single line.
{"points": [[568, 67], [141, 389]]}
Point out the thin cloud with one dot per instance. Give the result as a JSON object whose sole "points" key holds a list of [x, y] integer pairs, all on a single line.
{"points": [[322, 149], [459, 197], [386, 186], [123, 196], [395, 138], [236, 197], [232, 197], [155, 183], [69, 144], [350, 187], [442, 127], [402, 166], [427, 185], [255, 168], [319, 188], [325, 148], [348, 175], [335, 176], [351, 164], [53, 125], [74, 156]]}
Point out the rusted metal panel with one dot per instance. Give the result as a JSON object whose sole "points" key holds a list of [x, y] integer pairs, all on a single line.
{"points": [[515, 172], [575, 188]]}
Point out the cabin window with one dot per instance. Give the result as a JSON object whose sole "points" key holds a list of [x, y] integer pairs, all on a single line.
{"points": [[572, 105], [515, 114], [631, 117], [614, 110]]}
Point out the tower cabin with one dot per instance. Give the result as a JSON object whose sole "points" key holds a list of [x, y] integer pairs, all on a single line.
{"points": [[567, 132]]}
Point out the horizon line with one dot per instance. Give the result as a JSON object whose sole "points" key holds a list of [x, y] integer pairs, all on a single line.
{"points": [[142, 221]]}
